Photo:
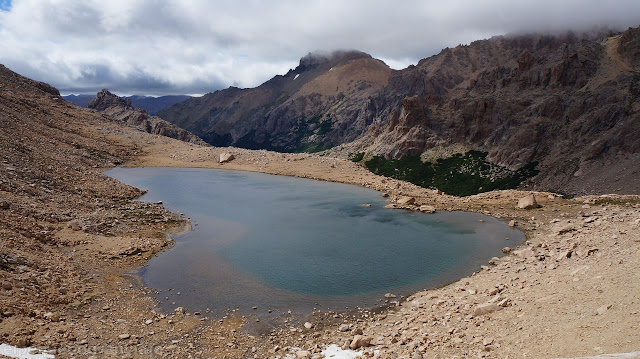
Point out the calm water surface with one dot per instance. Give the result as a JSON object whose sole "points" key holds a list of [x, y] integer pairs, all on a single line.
{"points": [[285, 243]]}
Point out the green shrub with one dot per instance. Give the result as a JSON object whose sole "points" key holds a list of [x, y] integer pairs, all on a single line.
{"points": [[356, 157], [459, 175]]}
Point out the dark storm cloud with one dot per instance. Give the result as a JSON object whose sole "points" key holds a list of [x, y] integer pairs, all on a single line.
{"points": [[170, 46]]}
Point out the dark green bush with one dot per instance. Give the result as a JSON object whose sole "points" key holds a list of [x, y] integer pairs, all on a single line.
{"points": [[356, 157], [459, 175]]}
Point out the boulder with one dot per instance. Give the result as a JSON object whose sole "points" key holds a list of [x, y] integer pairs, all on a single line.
{"points": [[344, 328], [303, 354], [360, 341], [427, 209], [54, 317], [179, 310], [528, 202], [406, 200], [226, 157], [525, 253]]}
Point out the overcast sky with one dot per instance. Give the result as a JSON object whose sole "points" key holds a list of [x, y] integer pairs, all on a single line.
{"points": [[161, 47]]}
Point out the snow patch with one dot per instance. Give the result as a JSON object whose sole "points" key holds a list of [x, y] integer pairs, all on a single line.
{"points": [[296, 76], [24, 353], [333, 351]]}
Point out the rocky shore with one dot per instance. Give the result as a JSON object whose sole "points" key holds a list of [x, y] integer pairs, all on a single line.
{"points": [[569, 291], [69, 236]]}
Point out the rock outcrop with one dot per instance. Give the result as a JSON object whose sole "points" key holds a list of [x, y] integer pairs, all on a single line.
{"points": [[120, 109]]}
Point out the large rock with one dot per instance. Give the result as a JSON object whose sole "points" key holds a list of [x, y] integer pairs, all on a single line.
{"points": [[528, 202], [226, 157], [427, 209], [360, 341], [406, 201]]}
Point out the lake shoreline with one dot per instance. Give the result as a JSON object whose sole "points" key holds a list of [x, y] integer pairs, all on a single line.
{"points": [[545, 251], [564, 293], [210, 197]]}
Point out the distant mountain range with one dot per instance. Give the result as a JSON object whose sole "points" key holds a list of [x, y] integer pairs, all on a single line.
{"points": [[121, 109], [149, 103], [569, 102]]}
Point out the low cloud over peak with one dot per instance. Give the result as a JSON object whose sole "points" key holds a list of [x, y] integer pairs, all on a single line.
{"points": [[169, 46]]}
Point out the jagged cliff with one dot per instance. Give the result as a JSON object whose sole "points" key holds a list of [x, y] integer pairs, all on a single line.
{"points": [[120, 109], [568, 102]]}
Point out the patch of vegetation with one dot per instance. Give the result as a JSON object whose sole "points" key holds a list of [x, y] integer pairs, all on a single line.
{"points": [[460, 175], [634, 86], [325, 127], [620, 201], [217, 139], [247, 141], [356, 157], [563, 194], [312, 147]]}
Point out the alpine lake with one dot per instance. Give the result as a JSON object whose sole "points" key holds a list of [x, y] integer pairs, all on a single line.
{"points": [[265, 245]]}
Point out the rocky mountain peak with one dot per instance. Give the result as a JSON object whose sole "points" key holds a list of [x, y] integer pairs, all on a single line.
{"points": [[629, 47], [105, 99], [315, 59], [23, 83], [120, 109]]}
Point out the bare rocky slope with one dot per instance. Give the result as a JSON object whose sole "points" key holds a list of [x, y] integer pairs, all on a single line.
{"points": [[51, 157], [315, 106], [120, 109], [569, 102]]}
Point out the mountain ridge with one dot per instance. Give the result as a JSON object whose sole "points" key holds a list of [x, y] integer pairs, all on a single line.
{"points": [[120, 109], [148, 103], [258, 117], [566, 101]]}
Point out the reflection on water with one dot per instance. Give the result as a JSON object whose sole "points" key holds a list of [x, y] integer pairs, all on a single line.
{"points": [[287, 243]]}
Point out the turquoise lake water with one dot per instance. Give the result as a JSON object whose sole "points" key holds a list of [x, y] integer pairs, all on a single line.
{"points": [[284, 243]]}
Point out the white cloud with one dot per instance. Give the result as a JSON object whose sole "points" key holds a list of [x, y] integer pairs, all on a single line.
{"points": [[172, 46]]}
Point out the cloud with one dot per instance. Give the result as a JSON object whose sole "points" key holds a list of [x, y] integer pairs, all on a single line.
{"points": [[172, 46]]}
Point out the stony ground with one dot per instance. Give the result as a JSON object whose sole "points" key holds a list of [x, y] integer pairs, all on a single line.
{"points": [[69, 237], [570, 290]]}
